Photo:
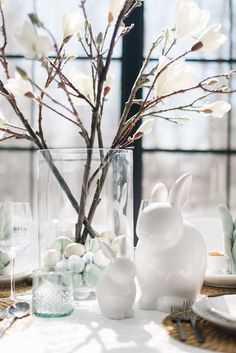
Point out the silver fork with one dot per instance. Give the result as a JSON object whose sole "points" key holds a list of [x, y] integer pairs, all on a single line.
{"points": [[175, 315], [188, 315]]}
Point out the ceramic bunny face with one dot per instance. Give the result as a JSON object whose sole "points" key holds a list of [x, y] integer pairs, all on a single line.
{"points": [[163, 218], [121, 269], [170, 255], [116, 287]]}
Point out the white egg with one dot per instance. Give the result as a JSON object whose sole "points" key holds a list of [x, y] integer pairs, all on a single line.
{"points": [[74, 249], [51, 257], [76, 263]]}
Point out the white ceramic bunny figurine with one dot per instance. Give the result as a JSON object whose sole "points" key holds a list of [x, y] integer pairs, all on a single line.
{"points": [[171, 255], [116, 288]]}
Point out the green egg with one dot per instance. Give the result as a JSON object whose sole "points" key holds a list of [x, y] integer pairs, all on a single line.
{"points": [[91, 274], [61, 243]]}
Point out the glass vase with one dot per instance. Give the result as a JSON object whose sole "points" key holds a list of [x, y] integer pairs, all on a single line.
{"points": [[85, 197]]}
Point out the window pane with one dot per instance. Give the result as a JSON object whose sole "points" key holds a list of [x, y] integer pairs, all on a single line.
{"points": [[51, 16], [61, 133], [209, 178], [159, 14], [200, 132], [15, 12], [15, 180], [24, 103]]}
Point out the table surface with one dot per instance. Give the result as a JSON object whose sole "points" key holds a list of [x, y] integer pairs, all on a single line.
{"points": [[86, 330]]}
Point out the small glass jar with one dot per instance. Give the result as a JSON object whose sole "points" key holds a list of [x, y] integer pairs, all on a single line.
{"points": [[52, 294]]}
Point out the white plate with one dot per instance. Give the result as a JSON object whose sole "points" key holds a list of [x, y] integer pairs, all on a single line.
{"points": [[226, 303], [220, 280], [18, 277]]}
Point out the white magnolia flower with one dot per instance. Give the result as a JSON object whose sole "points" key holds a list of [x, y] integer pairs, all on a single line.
{"points": [[216, 109], [72, 23], [83, 83], [145, 128], [115, 7], [189, 18], [35, 46], [17, 86], [212, 39], [177, 76]]}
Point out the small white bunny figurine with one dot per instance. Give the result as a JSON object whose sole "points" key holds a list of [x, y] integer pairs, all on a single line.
{"points": [[171, 255], [116, 288]]}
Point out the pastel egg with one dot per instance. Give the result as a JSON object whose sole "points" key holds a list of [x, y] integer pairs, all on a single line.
{"points": [[88, 257], [4, 260], [74, 249], [61, 243], [51, 257], [109, 235], [100, 260], [91, 274], [63, 266], [77, 263], [77, 280]]}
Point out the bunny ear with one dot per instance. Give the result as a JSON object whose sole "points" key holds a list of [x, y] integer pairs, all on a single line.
{"points": [[159, 193], [107, 250], [123, 245], [180, 191]]}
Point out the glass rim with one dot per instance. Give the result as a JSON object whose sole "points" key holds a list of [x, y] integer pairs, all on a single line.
{"points": [[84, 149]]}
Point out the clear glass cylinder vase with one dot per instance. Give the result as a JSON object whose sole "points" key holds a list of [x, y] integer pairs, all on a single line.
{"points": [[84, 197]]}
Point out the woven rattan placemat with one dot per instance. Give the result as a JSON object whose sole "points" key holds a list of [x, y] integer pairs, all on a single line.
{"points": [[21, 288], [216, 339]]}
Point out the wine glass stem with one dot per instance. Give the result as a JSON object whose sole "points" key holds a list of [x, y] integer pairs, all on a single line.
{"points": [[12, 295]]}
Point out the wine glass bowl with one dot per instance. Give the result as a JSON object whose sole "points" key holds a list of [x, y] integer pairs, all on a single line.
{"points": [[15, 233]]}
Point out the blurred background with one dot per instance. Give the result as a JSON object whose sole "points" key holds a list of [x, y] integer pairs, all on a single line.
{"points": [[204, 147]]}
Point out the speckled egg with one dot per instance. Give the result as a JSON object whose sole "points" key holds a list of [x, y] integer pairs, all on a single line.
{"points": [[63, 266], [109, 235], [51, 257], [61, 243], [88, 257], [91, 274], [77, 263], [74, 249]]}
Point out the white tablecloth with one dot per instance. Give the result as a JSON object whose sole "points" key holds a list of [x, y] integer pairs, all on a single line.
{"points": [[87, 331]]}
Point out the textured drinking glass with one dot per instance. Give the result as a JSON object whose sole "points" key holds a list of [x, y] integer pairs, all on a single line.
{"points": [[52, 294]]}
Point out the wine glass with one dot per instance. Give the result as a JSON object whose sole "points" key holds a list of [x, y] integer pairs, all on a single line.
{"points": [[15, 233]]}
